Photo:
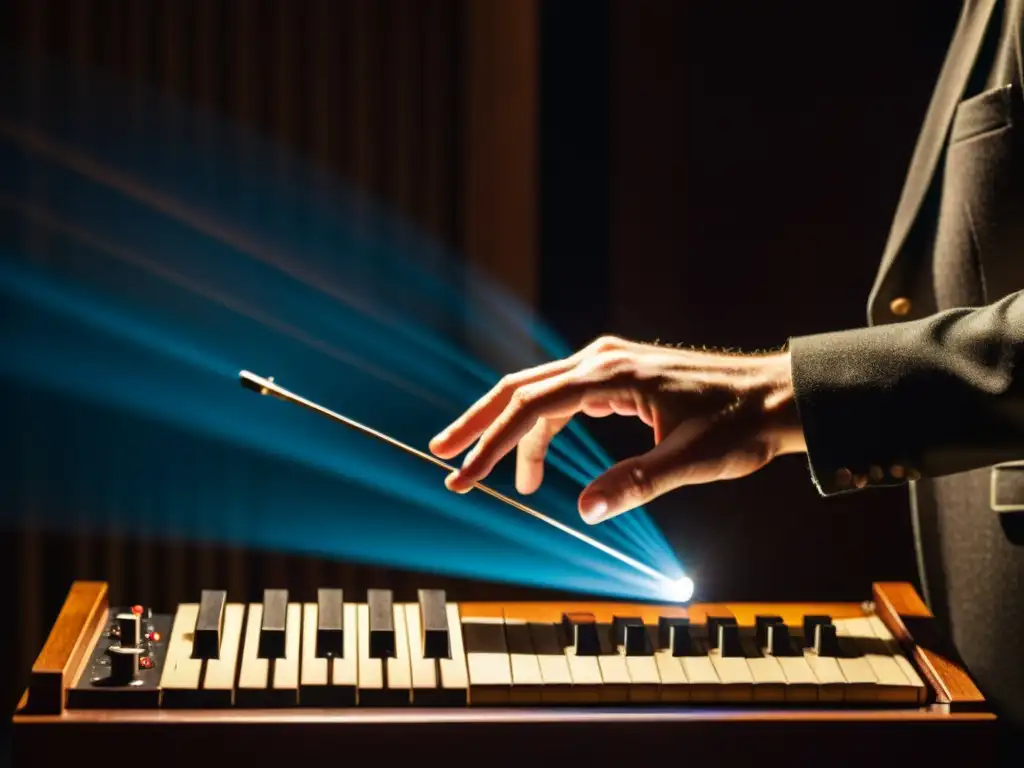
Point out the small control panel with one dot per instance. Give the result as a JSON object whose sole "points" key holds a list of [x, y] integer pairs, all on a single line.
{"points": [[127, 662]]}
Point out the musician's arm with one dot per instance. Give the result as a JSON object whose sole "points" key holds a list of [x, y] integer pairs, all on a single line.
{"points": [[934, 396]]}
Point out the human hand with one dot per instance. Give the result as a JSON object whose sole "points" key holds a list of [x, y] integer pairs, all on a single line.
{"points": [[715, 416]]}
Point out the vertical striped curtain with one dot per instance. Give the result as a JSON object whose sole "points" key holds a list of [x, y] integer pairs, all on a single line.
{"points": [[375, 91]]}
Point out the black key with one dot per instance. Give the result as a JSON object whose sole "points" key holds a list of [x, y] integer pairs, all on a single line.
{"points": [[810, 622], [434, 624], [330, 623], [779, 642], [728, 641], [489, 638], [517, 639], [209, 622], [825, 641], [582, 633], [619, 624], [714, 622], [272, 626], [545, 640], [638, 640], [606, 640], [674, 633], [761, 624], [382, 623]]}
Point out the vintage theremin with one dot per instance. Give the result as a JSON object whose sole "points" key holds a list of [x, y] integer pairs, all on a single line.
{"points": [[365, 677]]}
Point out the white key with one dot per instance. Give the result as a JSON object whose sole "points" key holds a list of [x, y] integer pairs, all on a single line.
{"points": [[370, 671], [254, 672], [553, 665], [801, 684], [527, 681], [487, 660], [182, 672], [644, 678], [346, 669], [734, 678], [585, 672], [861, 681], [315, 670], [830, 677], [914, 681], [286, 670], [323, 681], [454, 672], [675, 685], [422, 669], [220, 672], [705, 685], [398, 667], [769, 680], [183, 681], [892, 684], [611, 662], [256, 685]]}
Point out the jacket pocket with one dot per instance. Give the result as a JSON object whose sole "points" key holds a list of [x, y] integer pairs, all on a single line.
{"points": [[985, 113], [981, 230]]}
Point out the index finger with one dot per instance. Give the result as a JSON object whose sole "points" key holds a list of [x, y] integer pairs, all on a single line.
{"points": [[460, 434]]}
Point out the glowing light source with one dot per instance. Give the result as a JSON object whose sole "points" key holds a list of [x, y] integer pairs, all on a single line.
{"points": [[679, 590]]}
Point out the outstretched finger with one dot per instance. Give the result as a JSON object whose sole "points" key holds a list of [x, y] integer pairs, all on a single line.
{"points": [[532, 451], [460, 434]]}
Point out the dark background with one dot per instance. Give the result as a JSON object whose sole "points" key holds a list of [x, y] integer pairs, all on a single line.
{"points": [[696, 172]]}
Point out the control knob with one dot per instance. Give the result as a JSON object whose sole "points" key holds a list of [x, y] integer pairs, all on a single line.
{"points": [[128, 630], [124, 665], [124, 657]]}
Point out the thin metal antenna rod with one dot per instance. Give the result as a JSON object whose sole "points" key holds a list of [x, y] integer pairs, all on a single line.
{"points": [[266, 386]]}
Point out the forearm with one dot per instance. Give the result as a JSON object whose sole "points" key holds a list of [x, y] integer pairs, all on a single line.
{"points": [[932, 397]]}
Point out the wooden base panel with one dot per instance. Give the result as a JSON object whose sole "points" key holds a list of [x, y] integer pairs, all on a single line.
{"points": [[502, 736]]}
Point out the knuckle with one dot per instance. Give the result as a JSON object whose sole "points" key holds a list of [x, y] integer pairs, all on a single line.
{"points": [[640, 485], [505, 383], [611, 363], [522, 398], [606, 343]]}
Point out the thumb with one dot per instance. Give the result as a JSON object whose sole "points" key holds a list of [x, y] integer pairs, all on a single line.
{"points": [[636, 481]]}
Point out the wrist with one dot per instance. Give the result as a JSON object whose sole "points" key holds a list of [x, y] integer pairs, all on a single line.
{"points": [[783, 428]]}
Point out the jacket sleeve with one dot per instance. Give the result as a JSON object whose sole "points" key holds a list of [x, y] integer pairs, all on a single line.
{"points": [[931, 397]]}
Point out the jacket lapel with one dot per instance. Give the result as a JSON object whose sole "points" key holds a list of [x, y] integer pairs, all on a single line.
{"points": [[956, 71]]}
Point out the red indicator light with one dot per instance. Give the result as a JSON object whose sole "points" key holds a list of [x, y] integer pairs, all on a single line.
{"points": [[154, 636], [137, 610], [145, 662]]}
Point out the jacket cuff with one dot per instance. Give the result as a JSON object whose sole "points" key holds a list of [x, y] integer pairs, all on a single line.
{"points": [[846, 407]]}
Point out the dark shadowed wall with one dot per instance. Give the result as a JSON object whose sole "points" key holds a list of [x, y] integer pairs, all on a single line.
{"points": [[723, 174]]}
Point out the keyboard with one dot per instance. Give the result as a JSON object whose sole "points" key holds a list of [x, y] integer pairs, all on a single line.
{"points": [[335, 660]]}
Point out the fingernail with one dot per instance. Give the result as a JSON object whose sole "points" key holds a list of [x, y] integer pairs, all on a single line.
{"points": [[594, 510]]}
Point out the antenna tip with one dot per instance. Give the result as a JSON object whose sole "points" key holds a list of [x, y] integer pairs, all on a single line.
{"points": [[257, 384]]}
